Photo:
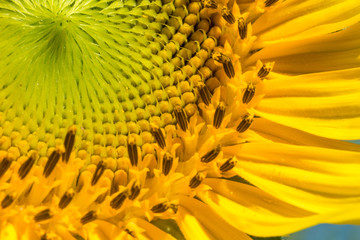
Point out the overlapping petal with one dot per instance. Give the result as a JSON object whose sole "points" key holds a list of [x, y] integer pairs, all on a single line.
{"points": [[312, 178], [324, 104]]}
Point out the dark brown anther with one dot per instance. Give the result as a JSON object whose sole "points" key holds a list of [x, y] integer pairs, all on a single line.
{"points": [[44, 237], [114, 187], [7, 201], [264, 71], [25, 193], [226, 62], [131, 233], [89, 217], [69, 143], [79, 183], [268, 3], [101, 197], [167, 163], [249, 93], [4, 166], [227, 15], [211, 155], [181, 117], [43, 215], [158, 135], [51, 162], [132, 151], [77, 236], [196, 180], [118, 201], [204, 93], [209, 4], [134, 190], [244, 124], [100, 168], [174, 207], [161, 207], [242, 28], [66, 199], [219, 115], [27, 165], [49, 196], [228, 165]]}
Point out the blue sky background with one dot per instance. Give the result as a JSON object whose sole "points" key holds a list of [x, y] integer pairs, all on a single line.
{"points": [[328, 232]]}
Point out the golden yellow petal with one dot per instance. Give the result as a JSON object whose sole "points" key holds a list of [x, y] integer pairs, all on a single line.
{"points": [[260, 220], [303, 19], [283, 134], [321, 53], [198, 221]]}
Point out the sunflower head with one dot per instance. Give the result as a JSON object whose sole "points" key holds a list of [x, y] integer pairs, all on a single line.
{"points": [[119, 114]]}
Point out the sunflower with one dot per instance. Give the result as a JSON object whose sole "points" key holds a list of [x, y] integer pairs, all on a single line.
{"points": [[163, 119]]}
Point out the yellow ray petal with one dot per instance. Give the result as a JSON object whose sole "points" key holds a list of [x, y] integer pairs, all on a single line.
{"points": [[322, 53], [331, 117], [323, 104], [295, 173], [283, 134], [198, 221], [302, 19], [256, 219], [320, 84], [152, 231]]}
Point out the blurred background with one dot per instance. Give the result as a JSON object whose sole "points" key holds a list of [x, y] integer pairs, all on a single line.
{"points": [[327, 232]]}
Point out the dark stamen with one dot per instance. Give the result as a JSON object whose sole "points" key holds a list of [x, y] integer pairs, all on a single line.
{"points": [[226, 62], [161, 207], [25, 193], [43, 215], [242, 28], [114, 186], [134, 190], [69, 143], [66, 199], [79, 183], [77, 236], [26, 166], [268, 3], [264, 71], [209, 4], [249, 93], [89, 217], [44, 237], [244, 124], [158, 135], [4, 165], [167, 163], [204, 93], [227, 15], [101, 197], [228, 165], [117, 201], [52, 161], [219, 115], [132, 151], [211, 155], [100, 168], [7, 201], [49, 196], [174, 207], [181, 117], [131, 233], [196, 180]]}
